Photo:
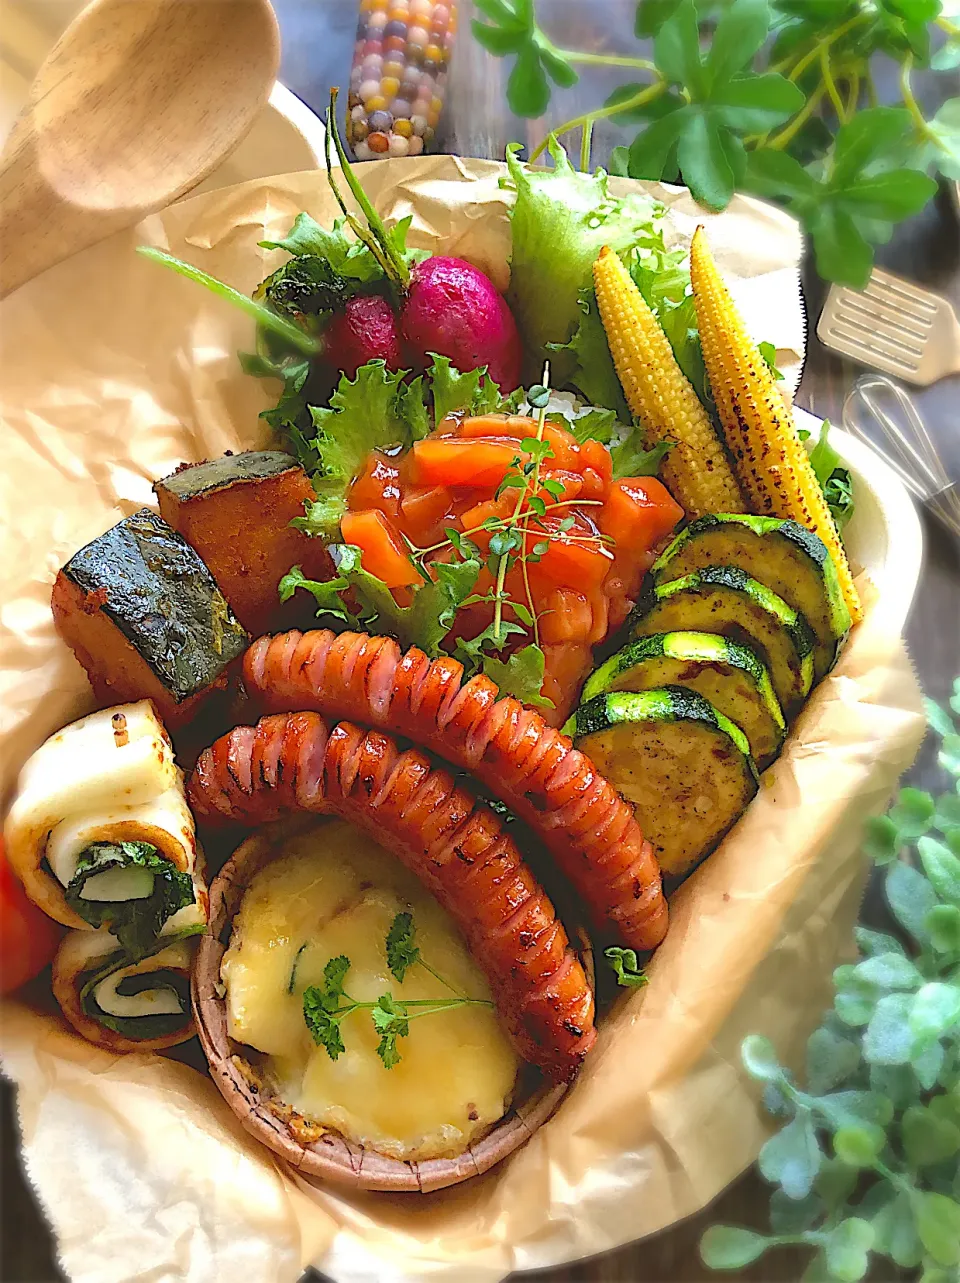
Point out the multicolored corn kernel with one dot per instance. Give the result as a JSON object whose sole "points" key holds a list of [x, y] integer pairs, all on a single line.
{"points": [[399, 75]]}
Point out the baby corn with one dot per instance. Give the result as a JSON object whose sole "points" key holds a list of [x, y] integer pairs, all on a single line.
{"points": [[696, 470], [772, 465]]}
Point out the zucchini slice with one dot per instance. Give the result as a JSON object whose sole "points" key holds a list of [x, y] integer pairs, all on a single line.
{"points": [[686, 768], [727, 675], [789, 559], [725, 600]]}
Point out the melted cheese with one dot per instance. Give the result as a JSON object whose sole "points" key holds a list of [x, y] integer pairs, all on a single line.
{"points": [[333, 891]]}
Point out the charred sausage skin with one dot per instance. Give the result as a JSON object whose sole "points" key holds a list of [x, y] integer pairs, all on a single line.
{"points": [[534, 768], [454, 844]]}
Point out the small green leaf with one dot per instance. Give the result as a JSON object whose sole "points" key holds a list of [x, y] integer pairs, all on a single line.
{"points": [[843, 252], [945, 129], [738, 36], [889, 1039], [938, 1225], [934, 1012], [942, 925], [895, 1232], [831, 1060], [677, 49], [910, 897], [711, 159], [859, 1146], [941, 867], [938, 718], [872, 943], [889, 971], [726, 1247], [520, 675], [912, 813], [881, 843], [760, 1059], [846, 1249], [792, 1157], [928, 1138], [927, 1063], [402, 953], [626, 967]]}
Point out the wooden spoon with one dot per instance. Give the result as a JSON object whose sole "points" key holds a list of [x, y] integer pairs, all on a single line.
{"points": [[136, 103]]}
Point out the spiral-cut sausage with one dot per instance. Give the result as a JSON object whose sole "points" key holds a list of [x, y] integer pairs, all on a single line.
{"points": [[532, 767], [455, 845]]}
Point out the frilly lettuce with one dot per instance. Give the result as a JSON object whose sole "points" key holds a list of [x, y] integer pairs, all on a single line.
{"points": [[561, 220]]}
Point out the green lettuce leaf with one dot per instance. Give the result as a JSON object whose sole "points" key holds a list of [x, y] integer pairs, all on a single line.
{"points": [[362, 601], [560, 221], [520, 675], [475, 392]]}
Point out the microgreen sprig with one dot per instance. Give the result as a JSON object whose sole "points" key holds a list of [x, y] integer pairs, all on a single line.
{"points": [[326, 1005], [867, 1161]]}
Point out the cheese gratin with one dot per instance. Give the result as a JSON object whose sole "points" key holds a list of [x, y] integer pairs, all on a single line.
{"points": [[331, 890]]}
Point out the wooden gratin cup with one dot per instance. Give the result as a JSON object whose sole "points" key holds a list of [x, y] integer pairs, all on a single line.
{"points": [[331, 1158]]}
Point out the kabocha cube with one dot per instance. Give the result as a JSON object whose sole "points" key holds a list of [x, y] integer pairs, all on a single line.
{"points": [[236, 512], [143, 615]]}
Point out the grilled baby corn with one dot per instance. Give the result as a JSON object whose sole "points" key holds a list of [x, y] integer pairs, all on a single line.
{"points": [[772, 466], [696, 470]]}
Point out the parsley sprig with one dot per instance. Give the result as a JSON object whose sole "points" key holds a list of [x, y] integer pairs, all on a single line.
{"points": [[775, 97], [867, 1160], [326, 1005]]}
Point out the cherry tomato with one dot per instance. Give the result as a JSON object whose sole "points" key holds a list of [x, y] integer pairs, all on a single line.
{"points": [[28, 938]]}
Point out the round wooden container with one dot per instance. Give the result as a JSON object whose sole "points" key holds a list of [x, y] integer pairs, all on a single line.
{"points": [[331, 1158]]}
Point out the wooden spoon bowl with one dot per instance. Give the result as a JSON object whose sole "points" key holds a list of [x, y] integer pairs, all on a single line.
{"points": [[135, 105], [331, 1158]]}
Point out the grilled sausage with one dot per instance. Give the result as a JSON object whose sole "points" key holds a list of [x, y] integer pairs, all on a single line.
{"points": [[454, 844], [531, 766]]}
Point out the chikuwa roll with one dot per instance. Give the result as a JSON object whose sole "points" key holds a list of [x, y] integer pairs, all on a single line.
{"points": [[100, 833], [123, 1003]]}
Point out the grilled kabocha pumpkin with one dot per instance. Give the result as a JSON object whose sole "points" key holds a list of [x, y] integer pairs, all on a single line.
{"points": [[236, 512], [686, 768], [142, 614], [725, 600], [728, 676], [786, 557]]}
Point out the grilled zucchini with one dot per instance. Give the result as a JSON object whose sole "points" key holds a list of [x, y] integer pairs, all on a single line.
{"points": [[725, 600], [783, 555], [727, 675], [686, 768]]}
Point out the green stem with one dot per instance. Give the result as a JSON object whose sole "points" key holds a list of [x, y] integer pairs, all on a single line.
{"points": [[639, 99], [949, 27], [831, 84], [606, 59], [853, 94], [786, 136], [377, 239], [824, 43], [909, 101], [872, 96], [436, 975], [266, 317], [585, 147]]}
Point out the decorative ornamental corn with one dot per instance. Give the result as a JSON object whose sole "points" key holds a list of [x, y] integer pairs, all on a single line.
{"points": [[771, 463], [696, 470]]}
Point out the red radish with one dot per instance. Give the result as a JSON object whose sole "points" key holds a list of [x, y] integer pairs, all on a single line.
{"points": [[447, 306], [366, 330], [454, 310]]}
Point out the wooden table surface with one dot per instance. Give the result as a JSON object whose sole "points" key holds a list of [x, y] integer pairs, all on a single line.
{"points": [[318, 40]]}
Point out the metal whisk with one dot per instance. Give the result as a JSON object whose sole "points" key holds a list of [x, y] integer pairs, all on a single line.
{"points": [[881, 414]]}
